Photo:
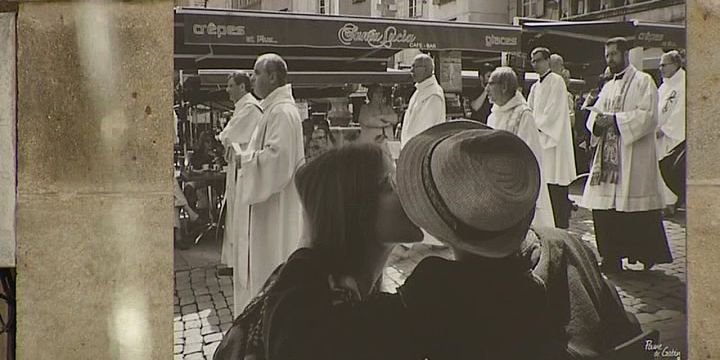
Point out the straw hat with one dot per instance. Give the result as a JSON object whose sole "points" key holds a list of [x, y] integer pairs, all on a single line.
{"points": [[470, 186]]}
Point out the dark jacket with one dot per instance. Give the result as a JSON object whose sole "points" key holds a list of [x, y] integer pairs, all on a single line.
{"points": [[587, 314], [304, 319], [491, 309]]}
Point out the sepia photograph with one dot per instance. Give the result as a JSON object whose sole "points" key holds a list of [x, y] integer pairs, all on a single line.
{"points": [[430, 179], [358, 179]]}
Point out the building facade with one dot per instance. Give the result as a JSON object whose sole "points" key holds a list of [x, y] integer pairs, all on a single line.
{"points": [[658, 11]]}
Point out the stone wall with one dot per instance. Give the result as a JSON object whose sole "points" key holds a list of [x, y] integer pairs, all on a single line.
{"points": [[94, 211], [7, 139]]}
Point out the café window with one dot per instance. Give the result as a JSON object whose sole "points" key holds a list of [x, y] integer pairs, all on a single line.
{"points": [[324, 6], [415, 8], [532, 8], [241, 4]]}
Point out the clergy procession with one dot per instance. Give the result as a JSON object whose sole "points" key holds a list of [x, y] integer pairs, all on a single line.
{"points": [[493, 200]]}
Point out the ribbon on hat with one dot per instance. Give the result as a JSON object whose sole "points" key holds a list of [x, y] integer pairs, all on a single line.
{"points": [[463, 230]]}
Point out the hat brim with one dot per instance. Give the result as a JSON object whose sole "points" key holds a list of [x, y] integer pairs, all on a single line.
{"points": [[416, 201]]}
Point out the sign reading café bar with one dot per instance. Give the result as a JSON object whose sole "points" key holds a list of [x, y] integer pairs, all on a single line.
{"points": [[293, 30]]}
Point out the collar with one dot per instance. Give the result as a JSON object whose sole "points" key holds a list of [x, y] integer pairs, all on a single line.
{"points": [[515, 101], [426, 83], [677, 79], [620, 75], [247, 98], [280, 94], [545, 75]]}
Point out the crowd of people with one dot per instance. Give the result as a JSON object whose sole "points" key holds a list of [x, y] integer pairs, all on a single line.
{"points": [[308, 237]]}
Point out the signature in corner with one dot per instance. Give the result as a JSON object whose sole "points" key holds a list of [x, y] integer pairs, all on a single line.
{"points": [[661, 351]]}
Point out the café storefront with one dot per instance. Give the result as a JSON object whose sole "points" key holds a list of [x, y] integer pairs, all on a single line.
{"points": [[331, 57]]}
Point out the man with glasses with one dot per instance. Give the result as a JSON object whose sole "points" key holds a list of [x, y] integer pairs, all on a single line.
{"points": [[671, 122], [549, 101], [427, 105], [510, 112], [425, 109]]}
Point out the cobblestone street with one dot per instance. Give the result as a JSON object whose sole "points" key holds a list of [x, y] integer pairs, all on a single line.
{"points": [[203, 300]]}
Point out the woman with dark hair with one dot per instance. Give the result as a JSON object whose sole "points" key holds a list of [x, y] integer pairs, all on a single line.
{"points": [[318, 137], [201, 160], [353, 219]]}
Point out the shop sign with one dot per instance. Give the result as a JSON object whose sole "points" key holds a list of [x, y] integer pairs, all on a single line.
{"points": [[338, 32]]}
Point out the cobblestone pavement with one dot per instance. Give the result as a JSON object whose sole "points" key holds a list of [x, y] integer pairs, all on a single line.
{"points": [[203, 300]]}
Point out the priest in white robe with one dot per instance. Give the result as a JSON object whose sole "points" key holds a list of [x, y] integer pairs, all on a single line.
{"points": [[549, 102], [511, 112], [426, 108], [269, 200], [624, 189], [238, 131], [427, 104], [671, 116]]}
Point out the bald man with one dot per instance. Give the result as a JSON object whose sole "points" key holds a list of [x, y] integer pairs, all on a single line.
{"points": [[267, 196], [427, 104]]}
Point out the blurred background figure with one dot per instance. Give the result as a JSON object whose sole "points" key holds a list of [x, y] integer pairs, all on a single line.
{"points": [[318, 137], [207, 152], [377, 118], [480, 104]]}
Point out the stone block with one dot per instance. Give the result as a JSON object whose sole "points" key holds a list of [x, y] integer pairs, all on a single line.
{"points": [[100, 122], [213, 337]]}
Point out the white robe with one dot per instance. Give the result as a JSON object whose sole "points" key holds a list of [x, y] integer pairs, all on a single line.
{"points": [[425, 109], [516, 117], [671, 119], [238, 130], [268, 198], [242, 124], [671, 112], [639, 186], [549, 101]]}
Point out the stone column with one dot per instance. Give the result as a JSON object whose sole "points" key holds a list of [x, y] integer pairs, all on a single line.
{"points": [[7, 139], [703, 192], [7, 152], [95, 203]]}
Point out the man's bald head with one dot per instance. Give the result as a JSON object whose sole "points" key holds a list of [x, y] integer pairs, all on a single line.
{"points": [[422, 67], [557, 63], [270, 73]]}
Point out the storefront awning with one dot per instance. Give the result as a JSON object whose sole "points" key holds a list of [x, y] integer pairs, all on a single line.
{"points": [[213, 39], [581, 43], [643, 34]]}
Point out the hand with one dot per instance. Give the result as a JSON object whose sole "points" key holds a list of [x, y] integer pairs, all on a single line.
{"points": [[605, 121]]}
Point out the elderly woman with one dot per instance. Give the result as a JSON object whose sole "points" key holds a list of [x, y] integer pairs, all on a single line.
{"points": [[511, 112], [353, 219], [513, 292]]}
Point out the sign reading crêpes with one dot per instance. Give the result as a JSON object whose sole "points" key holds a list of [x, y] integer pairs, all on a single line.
{"points": [[294, 30]]}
